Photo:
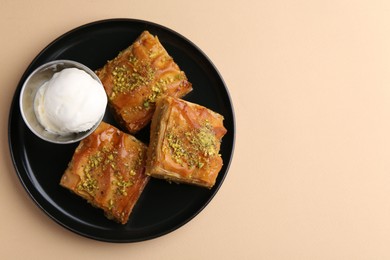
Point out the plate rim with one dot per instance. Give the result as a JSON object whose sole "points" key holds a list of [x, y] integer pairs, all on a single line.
{"points": [[14, 109]]}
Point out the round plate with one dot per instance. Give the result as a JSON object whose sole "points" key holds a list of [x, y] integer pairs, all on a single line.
{"points": [[162, 207]]}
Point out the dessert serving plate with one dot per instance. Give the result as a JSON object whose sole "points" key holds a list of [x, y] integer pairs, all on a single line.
{"points": [[162, 207]]}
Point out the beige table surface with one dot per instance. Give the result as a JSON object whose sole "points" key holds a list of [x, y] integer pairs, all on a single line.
{"points": [[310, 83]]}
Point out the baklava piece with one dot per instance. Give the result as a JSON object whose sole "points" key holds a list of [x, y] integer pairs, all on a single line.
{"points": [[137, 77], [185, 139], [108, 170]]}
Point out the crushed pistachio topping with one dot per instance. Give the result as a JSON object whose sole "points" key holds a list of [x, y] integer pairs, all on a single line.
{"points": [[127, 79], [205, 140], [122, 184], [178, 150], [141, 73], [105, 160], [89, 184], [193, 147], [133, 60], [156, 90]]}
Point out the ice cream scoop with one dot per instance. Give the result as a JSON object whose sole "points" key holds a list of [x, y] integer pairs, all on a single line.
{"points": [[70, 102]]}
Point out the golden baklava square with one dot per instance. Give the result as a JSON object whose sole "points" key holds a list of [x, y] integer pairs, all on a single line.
{"points": [[185, 140], [108, 170], [138, 76]]}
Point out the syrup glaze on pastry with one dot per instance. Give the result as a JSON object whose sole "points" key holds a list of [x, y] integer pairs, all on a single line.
{"points": [[137, 77], [107, 169]]}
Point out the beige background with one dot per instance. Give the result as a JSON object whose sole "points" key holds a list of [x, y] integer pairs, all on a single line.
{"points": [[310, 83]]}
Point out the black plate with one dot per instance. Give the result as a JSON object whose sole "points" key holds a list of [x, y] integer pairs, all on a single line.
{"points": [[162, 207]]}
